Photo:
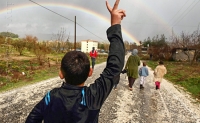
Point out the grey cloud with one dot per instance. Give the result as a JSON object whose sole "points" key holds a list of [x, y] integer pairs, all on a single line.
{"points": [[145, 18]]}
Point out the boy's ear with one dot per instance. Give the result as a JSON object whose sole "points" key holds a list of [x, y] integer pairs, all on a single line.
{"points": [[61, 75], [90, 73]]}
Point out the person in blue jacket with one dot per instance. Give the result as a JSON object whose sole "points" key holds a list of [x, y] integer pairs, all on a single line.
{"points": [[73, 102], [143, 72]]}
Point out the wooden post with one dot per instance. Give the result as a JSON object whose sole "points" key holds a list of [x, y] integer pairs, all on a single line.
{"points": [[75, 34]]}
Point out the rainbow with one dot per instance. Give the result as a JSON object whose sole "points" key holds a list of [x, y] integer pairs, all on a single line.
{"points": [[87, 11], [157, 17]]}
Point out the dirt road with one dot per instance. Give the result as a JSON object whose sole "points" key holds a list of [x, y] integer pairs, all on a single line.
{"points": [[170, 104], [167, 105]]}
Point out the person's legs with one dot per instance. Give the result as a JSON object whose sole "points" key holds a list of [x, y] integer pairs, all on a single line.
{"points": [[141, 82], [130, 79], [93, 62], [142, 79], [131, 82], [157, 85]]}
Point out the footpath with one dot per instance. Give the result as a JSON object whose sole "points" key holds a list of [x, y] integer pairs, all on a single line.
{"points": [[167, 105]]}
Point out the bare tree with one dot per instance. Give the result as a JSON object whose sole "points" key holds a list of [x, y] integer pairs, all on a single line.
{"points": [[30, 41], [61, 40], [195, 42], [159, 47], [2, 39], [19, 45], [187, 42], [41, 50], [133, 46], [106, 47], [127, 46]]}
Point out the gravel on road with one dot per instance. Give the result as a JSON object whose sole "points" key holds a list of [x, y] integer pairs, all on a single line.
{"points": [[170, 104]]}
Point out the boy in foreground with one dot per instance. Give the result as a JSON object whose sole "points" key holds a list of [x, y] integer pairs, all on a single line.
{"points": [[73, 102]]}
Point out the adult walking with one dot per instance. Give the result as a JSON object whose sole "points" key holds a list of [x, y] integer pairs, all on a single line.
{"points": [[132, 67], [93, 55]]}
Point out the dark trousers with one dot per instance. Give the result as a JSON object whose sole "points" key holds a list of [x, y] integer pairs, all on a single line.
{"points": [[131, 81], [93, 62]]}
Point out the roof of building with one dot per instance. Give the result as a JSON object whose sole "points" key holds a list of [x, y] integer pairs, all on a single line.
{"points": [[89, 40]]}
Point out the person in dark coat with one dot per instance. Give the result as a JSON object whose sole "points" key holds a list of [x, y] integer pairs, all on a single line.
{"points": [[73, 102]]}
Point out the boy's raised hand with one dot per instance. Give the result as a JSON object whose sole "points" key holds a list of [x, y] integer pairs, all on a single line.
{"points": [[116, 14]]}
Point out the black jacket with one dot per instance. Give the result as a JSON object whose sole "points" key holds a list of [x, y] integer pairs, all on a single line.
{"points": [[73, 104]]}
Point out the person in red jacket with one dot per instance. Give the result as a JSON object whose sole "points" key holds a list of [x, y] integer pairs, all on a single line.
{"points": [[93, 55], [74, 102]]}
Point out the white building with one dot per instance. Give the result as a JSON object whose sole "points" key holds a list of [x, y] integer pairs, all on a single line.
{"points": [[86, 45]]}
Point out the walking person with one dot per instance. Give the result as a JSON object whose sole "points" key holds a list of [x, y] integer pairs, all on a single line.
{"points": [[159, 73], [132, 68], [143, 72], [93, 55], [73, 102]]}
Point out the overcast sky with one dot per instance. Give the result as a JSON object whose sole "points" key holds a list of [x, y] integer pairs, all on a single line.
{"points": [[145, 18]]}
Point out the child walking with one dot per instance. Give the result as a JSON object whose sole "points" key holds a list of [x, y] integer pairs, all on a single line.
{"points": [[159, 73], [73, 102], [143, 72]]}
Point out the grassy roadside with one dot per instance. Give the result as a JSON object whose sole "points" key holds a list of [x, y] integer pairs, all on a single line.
{"points": [[182, 74], [38, 76], [38, 73]]}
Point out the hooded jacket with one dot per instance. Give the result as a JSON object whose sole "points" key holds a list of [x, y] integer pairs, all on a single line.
{"points": [[143, 71], [159, 73], [73, 104]]}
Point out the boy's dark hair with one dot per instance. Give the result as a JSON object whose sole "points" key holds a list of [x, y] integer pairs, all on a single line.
{"points": [[144, 64], [161, 62], [75, 67]]}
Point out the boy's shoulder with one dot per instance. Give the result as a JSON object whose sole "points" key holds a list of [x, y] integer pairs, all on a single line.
{"points": [[54, 91]]}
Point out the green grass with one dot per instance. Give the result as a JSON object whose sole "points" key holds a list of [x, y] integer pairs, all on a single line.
{"points": [[38, 74], [192, 85], [37, 77]]}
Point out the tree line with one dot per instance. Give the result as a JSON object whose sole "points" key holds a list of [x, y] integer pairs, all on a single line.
{"points": [[39, 48], [161, 48]]}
